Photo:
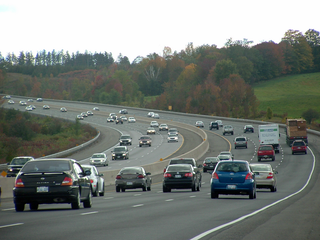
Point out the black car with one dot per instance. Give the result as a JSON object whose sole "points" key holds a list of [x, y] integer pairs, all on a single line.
{"points": [[145, 140], [16, 164], [181, 176], [53, 180], [248, 128], [119, 120], [133, 177], [213, 125], [120, 153], [210, 163], [125, 140]]}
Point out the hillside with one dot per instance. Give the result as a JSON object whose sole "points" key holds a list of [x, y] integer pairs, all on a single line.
{"points": [[292, 94]]}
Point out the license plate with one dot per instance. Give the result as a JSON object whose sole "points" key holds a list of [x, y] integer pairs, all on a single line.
{"points": [[129, 183], [178, 176], [118, 156], [42, 189], [231, 186], [211, 166]]}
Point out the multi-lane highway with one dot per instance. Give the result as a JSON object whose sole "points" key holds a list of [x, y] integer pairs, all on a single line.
{"points": [[181, 214]]}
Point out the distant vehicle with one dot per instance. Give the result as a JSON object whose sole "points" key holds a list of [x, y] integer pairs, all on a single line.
{"points": [[113, 115], [120, 153], [32, 106], [199, 124], [224, 157], [89, 113], [23, 103], [124, 118], [16, 164], [150, 114], [227, 153], [173, 137], [125, 140], [96, 109], [227, 129], [298, 146], [46, 107], [119, 120], [248, 128], [220, 123], [156, 116], [110, 119], [6, 97], [181, 176], [96, 179], [151, 130], [214, 125], [84, 114], [30, 100], [210, 163], [132, 178], [240, 142], [63, 109], [80, 117], [266, 152], [269, 135], [145, 140], [131, 120], [265, 176], [10, 102], [296, 129], [29, 108], [99, 159], [154, 124], [63, 180], [233, 178], [39, 99], [171, 130], [123, 111], [163, 127]]}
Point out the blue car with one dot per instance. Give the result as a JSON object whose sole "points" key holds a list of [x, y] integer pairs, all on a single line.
{"points": [[233, 177]]}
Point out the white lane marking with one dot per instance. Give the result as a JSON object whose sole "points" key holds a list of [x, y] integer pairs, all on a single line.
{"points": [[192, 196], [89, 213], [138, 194], [259, 210], [11, 225], [138, 205], [8, 209], [169, 200], [108, 198]]}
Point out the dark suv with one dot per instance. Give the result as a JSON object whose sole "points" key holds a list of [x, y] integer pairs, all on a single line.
{"points": [[299, 146], [214, 125], [125, 140], [120, 153], [145, 140]]}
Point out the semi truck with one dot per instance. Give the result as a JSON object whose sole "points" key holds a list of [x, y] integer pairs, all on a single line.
{"points": [[296, 129], [269, 135]]}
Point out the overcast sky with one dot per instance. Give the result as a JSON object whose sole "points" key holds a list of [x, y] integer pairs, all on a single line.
{"points": [[141, 27]]}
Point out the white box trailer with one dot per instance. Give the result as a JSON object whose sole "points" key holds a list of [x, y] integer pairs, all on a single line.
{"points": [[269, 135]]}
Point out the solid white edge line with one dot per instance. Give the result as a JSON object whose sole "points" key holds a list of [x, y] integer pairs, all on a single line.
{"points": [[11, 225], [87, 213], [259, 210], [138, 205]]}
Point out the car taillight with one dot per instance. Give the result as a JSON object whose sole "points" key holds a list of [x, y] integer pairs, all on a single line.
{"points": [[167, 175], [140, 176], [204, 165], [249, 176], [19, 183], [118, 177], [270, 176], [189, 174], [67, 181], [215, 175], [91, 180]]}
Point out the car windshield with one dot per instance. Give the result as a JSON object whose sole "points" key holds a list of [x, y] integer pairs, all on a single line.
{"points": [[46, 166], [98, 156], [131, 171], [19, 161], [125, 137], [179, 168], [145, 138], [119, 149], [265, 148], [232, 167], [211, 160], [261, 168], [181, 161], [227, 126]]}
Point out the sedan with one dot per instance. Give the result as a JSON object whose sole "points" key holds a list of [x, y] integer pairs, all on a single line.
{"points": [[63, 109], [173, 137], [224, 157], [227, 153], [240, 142], [28, 108], [23, 103], [151, 130], [233, 177], [265, 176], [145, 140], [199, 124], [150, 114], [132, 178], [10, 102], [39, 99], [110, 119], [46, 107], [52, 180], [84, 114], [99, 159], [154, 124], [90, 113], [181, 176], [79, 117], [124, 118], [248, 128], [123, 111], [156, 115], [96, 179], [131, 120], [220, 123], [163, 127], [210, 163]]}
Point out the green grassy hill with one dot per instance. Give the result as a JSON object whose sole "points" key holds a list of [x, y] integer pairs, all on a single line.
{"points": [[293, 94]]}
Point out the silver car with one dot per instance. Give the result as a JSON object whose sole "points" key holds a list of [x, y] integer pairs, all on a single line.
{"points": [[240, 142], [96, 179], [173, 137], [265, 176], [99, 159]]}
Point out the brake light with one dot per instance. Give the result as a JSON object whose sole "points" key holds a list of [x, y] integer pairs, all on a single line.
{"points": [[118, 177], [140, 176], [91, 181], [215, 175], [204, 164], [189, 174], [19, 183], [249, 176], [167, 175], [67, 181], [270, 175]]}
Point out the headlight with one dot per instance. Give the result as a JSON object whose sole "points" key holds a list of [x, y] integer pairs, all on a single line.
{"points": [[124, 154], [113, 154], [10, 170]]}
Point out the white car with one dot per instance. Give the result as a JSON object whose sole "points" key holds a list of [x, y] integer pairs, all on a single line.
{"points": [[173, 137], [131, 120], [96, 109], [156, 116], [80, 117], [124, 118], [29, 108], [99, 159], [154, 124], [220, 123], [46, 107], [11, 101], [63, 109], [96, 179], [163, 127], [23, 103], [199, 124], [151, 130], [150, 114]]}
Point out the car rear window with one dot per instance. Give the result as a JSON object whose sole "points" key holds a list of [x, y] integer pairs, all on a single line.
{"points": [[46, 166], [19, 161], [240, 139], [181, 161], [175, 168], [265, 148], [298, 144], [232, 167], [131, 171], [119, 149], [258, 168]]}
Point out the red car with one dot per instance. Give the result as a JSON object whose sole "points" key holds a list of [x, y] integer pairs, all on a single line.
{"points": [[266, 152], [299, 146]]}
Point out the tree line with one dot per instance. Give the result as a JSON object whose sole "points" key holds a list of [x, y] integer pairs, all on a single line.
{"points": [[204, 79]]}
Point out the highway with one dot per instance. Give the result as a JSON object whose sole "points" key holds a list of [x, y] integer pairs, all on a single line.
{"points": [[289, 213]]}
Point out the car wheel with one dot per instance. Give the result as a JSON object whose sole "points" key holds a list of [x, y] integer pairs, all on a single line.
{"points": [[123, 189], [259, 159], [204, 170], [19, 207], [235, 147], [34, 206], [214, 195], [88, 202], [76, 203], [305, 152], [102, 193], [272, 189], [251, 194], [149, 188], [193, 189], [273, 158], [198, 187], [139, 145], [117, 189], [164, 189], [246, 146], [95, 193]]}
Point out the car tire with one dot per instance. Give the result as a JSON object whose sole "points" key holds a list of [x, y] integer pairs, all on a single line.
{"points": [[198, 187], [102, 193], [204, 170], [164, 189], [305, 152], [193, 188], [19, 207], [149, 188], [123, 189], [76, 203], [235, 147], [144, 188], [252, 194], [273, 158], [272, 189], [117, 189], [259, 159], [95, 193], [214, 195], [34, 206], [88, 202], [139, 145]]}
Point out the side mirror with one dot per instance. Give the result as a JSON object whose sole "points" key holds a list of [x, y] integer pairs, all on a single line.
{"points": [[200, 166], [148, 173], [275, 172], [101, 175], [87, 173]]}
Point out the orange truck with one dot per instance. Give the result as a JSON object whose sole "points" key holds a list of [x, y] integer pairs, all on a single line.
{"points": [[296, 129]]}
